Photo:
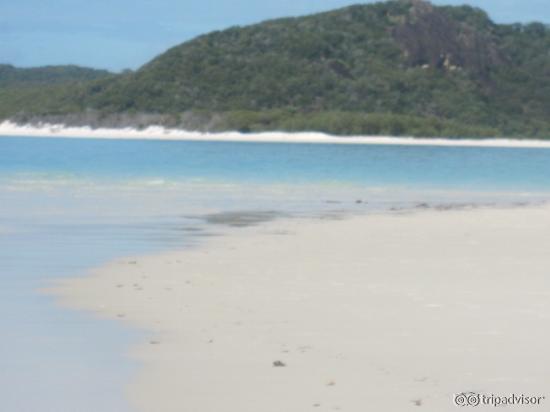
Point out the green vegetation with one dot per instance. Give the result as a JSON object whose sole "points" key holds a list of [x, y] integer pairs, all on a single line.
{"points": [[41, 90], [401, 67], [12, 76], [342, 123]]}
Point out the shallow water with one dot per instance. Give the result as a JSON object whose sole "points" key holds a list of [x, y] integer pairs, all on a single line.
{"points": [[68, 205], [161, 162]]}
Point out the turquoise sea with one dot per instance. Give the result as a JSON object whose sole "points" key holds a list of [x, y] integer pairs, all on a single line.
{"points": [[67, 205]]}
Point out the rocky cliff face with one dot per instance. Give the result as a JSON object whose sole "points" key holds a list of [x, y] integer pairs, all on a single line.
{"points": [[429, 37]]}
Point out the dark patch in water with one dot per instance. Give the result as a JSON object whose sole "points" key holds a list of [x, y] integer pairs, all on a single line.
{"points": [[242, 218]]}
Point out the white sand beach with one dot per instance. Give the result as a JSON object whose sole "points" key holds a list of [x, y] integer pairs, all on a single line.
{"points": [[389, 313], [11, 129]]}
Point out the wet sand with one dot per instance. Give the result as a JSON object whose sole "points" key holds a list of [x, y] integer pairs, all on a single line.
{"points": [[391, 313]]}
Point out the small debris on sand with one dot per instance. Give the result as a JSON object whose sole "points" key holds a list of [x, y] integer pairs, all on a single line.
{"points": [[279, 364]]}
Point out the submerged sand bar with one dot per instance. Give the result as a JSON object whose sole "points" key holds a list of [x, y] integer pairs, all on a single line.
{"points": [[8, 128], [385, 313]]}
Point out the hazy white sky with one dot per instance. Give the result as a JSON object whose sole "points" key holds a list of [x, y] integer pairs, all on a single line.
{"points": [[118, 34]]}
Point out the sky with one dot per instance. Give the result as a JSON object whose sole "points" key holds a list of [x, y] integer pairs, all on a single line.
{"points": [[121, 34]]}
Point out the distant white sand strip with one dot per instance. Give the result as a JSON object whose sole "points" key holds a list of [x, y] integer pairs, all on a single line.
{"points": [[8, 128]]}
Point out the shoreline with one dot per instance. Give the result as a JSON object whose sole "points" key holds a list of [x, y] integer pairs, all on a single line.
{"points": [[9, 129], [385, 312]]}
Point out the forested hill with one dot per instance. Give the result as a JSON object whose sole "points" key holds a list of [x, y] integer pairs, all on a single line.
{"points": [[11, 76], [43, 90], [402, 67]]}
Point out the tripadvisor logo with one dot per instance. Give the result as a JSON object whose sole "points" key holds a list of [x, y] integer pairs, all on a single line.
{"points": [[473, 399]]}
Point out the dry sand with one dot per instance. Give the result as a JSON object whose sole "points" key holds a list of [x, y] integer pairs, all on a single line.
{"points": [[373, 313], [46, 130]]}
